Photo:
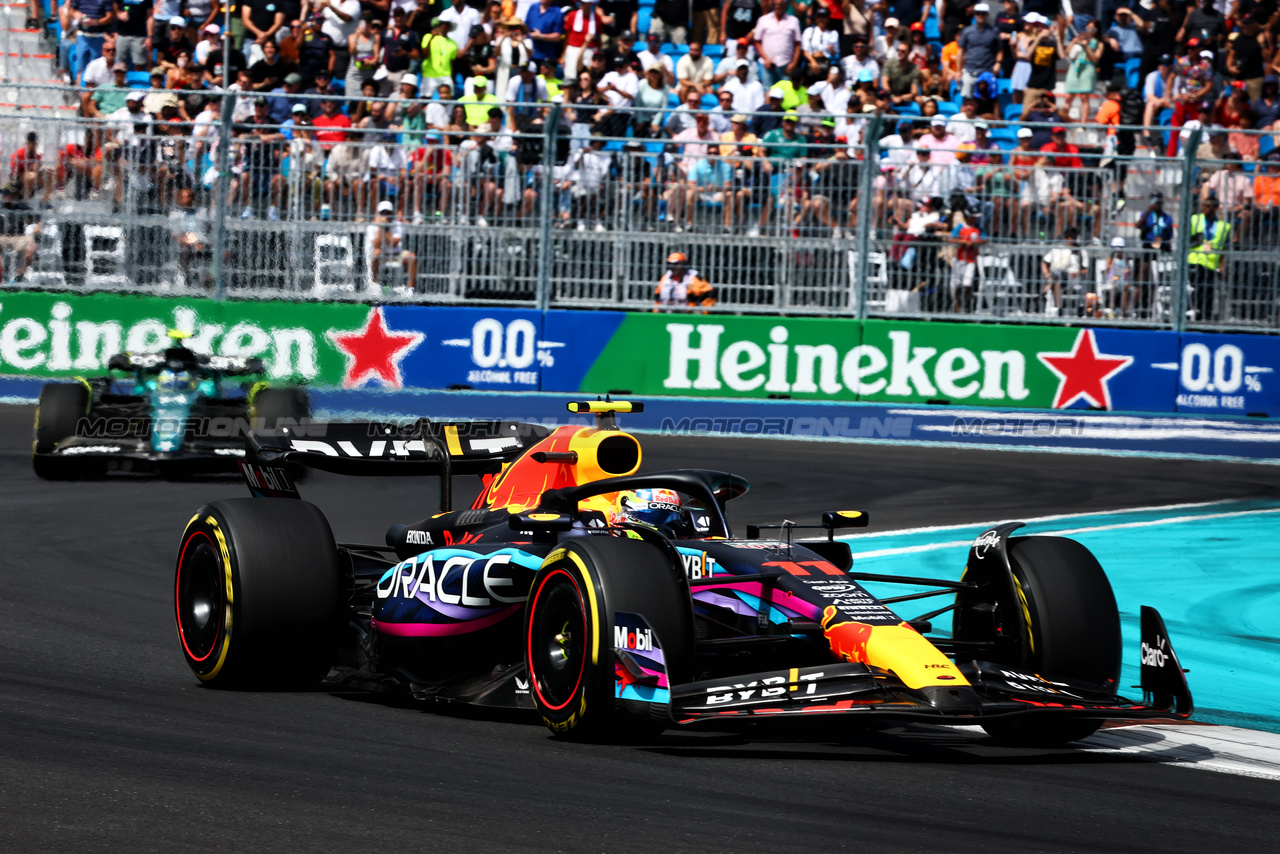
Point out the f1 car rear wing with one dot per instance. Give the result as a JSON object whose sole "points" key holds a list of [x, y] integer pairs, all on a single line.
{"points": [[379, 449], [232, 366]]}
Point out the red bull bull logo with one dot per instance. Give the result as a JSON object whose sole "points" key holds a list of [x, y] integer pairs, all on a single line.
{"points": [[848, 639]]}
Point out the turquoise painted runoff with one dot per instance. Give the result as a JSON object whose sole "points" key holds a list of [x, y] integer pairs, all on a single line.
{"points": [[1211, 570]]}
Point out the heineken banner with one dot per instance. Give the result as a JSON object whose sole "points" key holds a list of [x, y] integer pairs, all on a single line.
{"points": [[334, 345], [349, 346], [903, 362]]}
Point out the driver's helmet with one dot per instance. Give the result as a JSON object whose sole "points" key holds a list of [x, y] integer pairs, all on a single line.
{"points": [[175, 380], [656, 508]]}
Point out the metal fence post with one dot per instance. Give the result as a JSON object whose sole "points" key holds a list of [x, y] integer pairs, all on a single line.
{"points": [[1182, 243], [546, 205], [866, 186], [220, 202]]}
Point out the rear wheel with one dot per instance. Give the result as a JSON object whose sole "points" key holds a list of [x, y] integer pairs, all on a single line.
{"points": [[1064, 623], [60, 409], [257, 594], [570, 623]]}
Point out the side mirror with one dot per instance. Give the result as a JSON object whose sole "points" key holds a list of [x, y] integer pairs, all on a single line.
{"points": [[845, 519], [540, 522]]}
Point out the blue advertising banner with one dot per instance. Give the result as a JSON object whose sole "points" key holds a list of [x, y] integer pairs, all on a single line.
{"points": [[576, 341], [483, 348], [1227, 374]]}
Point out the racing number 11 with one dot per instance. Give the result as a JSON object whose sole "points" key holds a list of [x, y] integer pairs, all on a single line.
{"points": [[798, 568]]}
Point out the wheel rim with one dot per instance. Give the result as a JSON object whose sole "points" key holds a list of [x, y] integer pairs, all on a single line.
{"points": [[557, 641], [199, 597]]}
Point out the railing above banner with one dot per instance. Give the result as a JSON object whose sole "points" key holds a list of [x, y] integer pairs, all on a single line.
{"points": [[573, 206]]}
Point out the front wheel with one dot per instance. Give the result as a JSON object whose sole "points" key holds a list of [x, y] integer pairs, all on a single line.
{"points": [[257, 594], [1063, 623], [590, 596], [58, 413]]}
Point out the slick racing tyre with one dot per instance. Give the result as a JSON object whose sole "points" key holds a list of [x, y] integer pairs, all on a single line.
{"points": [[1069, 627], [281, 407], [60, 409], [573, 611], [257, 594]]}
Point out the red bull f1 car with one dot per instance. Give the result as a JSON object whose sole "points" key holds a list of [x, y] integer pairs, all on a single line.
{"points": [[616, 603]]}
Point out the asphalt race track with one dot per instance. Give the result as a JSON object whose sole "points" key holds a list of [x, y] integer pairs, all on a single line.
{"points": [[108, 743]]}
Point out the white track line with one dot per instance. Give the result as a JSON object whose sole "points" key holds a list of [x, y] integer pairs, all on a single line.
{"points": [[1226, 749], [1169, 520], [1154, 508]]}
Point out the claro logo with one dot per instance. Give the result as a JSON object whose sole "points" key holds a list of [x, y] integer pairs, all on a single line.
{"points": [[1155, 656]]}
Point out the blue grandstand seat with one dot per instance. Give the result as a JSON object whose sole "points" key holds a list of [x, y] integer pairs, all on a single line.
{"points": [[1010, 112], [647, 4], [1131, 69], [1005, 86], [710, 102], [138, 79], [931, 30], [715, 51], [673, 100], [935, 46], [912, 109], [676, 50], [948, 108], [1266, 145], [1164, 118], [1005, 134], [1006, 144]]}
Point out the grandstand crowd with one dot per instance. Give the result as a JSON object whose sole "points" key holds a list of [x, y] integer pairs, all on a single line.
{"points": [[742, 116]]}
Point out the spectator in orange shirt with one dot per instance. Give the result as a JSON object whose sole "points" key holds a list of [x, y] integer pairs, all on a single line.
{"points": [[1266, 194], [950, 67]]}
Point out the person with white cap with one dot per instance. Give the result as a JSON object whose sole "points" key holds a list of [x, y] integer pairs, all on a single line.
{"points": [[735, 52], [384, 242], [130, 121], [748, 94], [942, 143], [1117, 275], [1028, 178], [772, 110], [1023, 46], [979, 49], [883, 46], [1045, 48]]}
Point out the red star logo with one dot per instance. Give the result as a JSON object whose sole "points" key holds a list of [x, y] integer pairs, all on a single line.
{"points": [[373, 352], [1083, 373]]}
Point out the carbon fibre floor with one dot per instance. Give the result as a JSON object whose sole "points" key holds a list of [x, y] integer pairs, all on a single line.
{"points": [[107, 742]]}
